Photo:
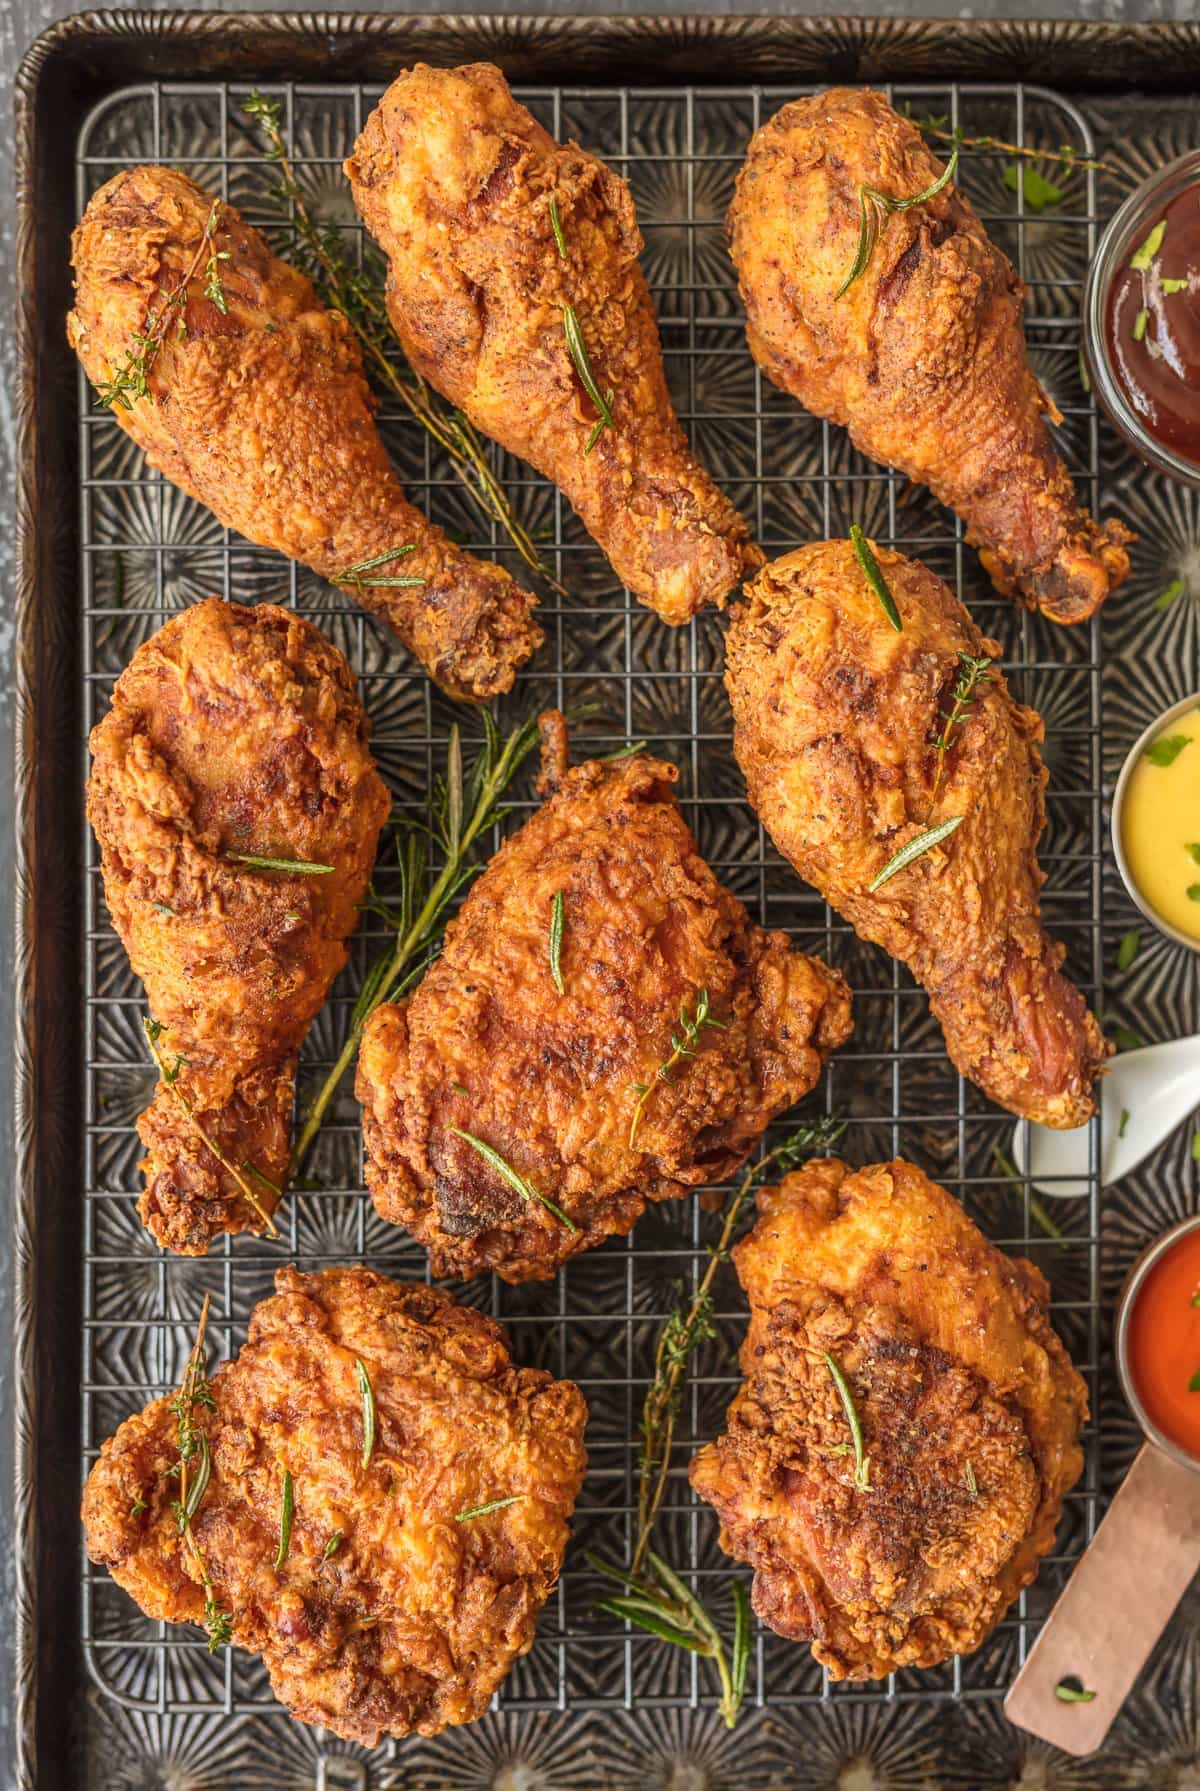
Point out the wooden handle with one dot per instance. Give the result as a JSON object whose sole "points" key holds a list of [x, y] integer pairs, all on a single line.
{"points": [[1115, 1605]]}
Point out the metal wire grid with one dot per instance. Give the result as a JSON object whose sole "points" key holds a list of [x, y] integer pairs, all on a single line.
{"points": [[145, 550]]}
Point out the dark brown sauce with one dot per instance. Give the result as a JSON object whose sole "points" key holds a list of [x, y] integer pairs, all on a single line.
{"points": [[1160, 372]]}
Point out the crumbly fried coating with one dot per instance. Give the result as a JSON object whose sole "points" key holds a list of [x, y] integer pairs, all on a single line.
{"points": [[922, 358], [263, 413], [487, 1044], [835, 722], [969, 1406], [231, 731], [455, 180], [389, 1615]]}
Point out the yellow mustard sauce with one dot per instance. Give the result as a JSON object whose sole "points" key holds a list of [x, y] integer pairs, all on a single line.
{"points": [[1160, 823]]}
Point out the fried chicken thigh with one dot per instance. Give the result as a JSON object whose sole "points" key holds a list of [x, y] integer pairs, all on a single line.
{"points": [[836, 720], [400, 1604], [232, 731], [922, 356], [258, 407], [565, 1087], [911, 1550], [492, 230]]}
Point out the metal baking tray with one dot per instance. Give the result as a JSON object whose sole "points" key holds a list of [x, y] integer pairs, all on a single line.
{"points": [[108, 551]]}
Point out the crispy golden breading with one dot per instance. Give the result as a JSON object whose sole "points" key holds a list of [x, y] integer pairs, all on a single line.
{"points": [[231, 731], [486, 1044], [970, 1413], [263, 414], [455, 180], [389, 1615], [835, 720], [923, 356]]}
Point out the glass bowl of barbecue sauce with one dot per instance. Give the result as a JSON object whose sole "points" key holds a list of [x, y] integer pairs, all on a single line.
{"points": [[1141, 316]]}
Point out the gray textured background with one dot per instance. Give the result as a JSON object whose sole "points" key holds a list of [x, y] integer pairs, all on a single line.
{"points": [[21, 21]]}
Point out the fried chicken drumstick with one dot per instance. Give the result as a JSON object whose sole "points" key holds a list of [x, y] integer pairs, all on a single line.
{"points": [[922, 355], [256, 404], [429, 1512], [501, 242], [660, 970], [232, 732], [837, 720], [871, 1291]]}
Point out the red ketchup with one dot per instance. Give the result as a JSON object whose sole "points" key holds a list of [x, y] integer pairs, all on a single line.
{"points": [[1152, 325]]}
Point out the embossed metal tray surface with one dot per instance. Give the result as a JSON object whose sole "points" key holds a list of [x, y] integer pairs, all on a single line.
{"points": [[108, 551]]}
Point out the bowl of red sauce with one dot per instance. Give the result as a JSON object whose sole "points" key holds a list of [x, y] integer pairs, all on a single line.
{"points": [[1141, 319], [1158, 1341]]}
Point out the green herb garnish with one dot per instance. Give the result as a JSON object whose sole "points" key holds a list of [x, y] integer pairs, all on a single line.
{"points": [[975, 671], [1070, 1691], [1126, 1039], [557, 914], [1040, 194], [192, 1445], [462, 1517], [874, 577], [556, 225], [924, 842], [1141, 258], [1193, 893], [368, 1411], [213, 288], [874, 210], [1130, 946], [169, 1073], [1121, 1129], [1171, 287], [287, 1508], [684, 1043], [1175, 589], [296, 867], [1194, 1383], [1139, 324], [332, 1546], [130, 378], [354, 577], [1165, 751], [514, 1179], [862, 1461], [577, 348]]}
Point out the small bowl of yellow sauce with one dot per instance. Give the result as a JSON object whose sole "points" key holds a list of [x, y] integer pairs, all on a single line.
{"points": [[1156, 823]]}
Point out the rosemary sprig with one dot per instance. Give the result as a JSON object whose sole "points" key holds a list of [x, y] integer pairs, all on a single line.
{"points": [[657, 1600], [298, 867], [916, 848], [557, 917], [353, 578], [462, 1517], [976, 670], [332, 1546], [874, 576], [130, 378], [513, 1177], [577, 349], [560, 241], [287, 1512], [359, 298], [169, 1075], [367, 1394], [464, 806], [193, 1445], [875, 208], [862, 1461], [684, 1043]]}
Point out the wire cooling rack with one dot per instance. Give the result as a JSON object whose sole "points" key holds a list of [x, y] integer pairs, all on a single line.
{"points": [[148, 551]]}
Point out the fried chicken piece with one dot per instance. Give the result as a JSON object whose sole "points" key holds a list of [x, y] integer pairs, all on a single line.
{"points": [[968, 1404], [488, 1046], [258, 407], [232, 731], [922, 356], [836, 717], [456, 182], [401, 1602]]}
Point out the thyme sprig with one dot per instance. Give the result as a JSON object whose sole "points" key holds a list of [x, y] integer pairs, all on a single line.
{"points": [[213, 288], [130, 379], [192, 1444], [684, 1043], [876, 207], [975, 670], [464, 806], [169, 1075], [359, 297], [940, 129], [577, 349], [657, 1599]]}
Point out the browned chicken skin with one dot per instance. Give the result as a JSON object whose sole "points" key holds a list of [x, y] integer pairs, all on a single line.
{"points": [[263, 414], [835, 720], [486, 1044], [455, 180], [922, 358], [391, 1614], [231, 731], [969, 1407]]}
